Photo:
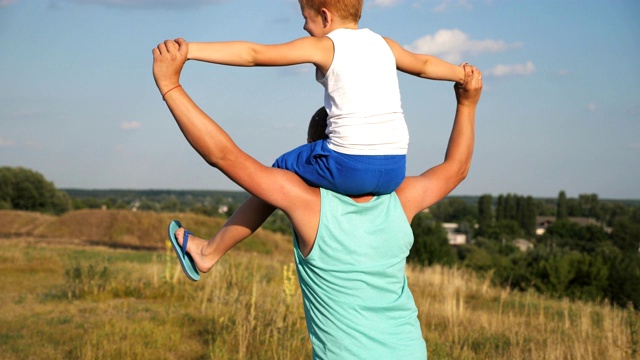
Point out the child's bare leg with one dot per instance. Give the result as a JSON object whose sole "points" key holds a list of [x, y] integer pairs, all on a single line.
{"points": [[244, 222]]}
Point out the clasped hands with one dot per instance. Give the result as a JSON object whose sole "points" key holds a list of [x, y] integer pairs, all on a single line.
{"points": [[168, 59]]}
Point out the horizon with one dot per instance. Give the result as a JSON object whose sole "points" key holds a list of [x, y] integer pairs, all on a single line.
{"points": [[240, 190]]}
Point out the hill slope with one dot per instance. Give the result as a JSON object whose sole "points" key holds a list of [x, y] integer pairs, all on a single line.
{"points": [[124, 228]]}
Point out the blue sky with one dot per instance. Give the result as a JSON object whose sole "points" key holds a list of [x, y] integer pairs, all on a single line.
{"points": [[560, 109]]}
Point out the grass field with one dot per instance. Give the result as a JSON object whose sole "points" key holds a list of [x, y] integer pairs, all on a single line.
{"points": [[87, 294]]}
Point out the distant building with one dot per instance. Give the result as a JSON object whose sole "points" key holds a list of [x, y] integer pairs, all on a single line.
{"points": [[134, 205], [454, 236], [523, 245]]}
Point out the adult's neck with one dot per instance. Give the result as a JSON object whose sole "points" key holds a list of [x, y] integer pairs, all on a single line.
{"points": [[362, 198], [343, 25]]}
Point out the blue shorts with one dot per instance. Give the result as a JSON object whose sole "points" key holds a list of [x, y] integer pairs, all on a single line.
{"points": [[346, 174]]}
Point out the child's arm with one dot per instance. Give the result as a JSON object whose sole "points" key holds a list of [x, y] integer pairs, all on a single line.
{"points": [[425, 66], [318, 51]]}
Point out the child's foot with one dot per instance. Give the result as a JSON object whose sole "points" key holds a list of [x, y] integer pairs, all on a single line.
{"points": [[199, 250]]}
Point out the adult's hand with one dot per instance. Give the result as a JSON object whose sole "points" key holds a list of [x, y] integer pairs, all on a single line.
{"points": [[468, 94], [168, 59], [417, 193]]}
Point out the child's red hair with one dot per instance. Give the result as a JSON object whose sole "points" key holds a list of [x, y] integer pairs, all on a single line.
{"points": [[345, 9]]}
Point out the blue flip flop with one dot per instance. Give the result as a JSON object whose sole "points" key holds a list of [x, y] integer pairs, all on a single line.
{"points": [[186, 261]]}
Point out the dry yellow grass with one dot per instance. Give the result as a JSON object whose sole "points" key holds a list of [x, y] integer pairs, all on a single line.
{"points": [[61, 300], [138, 229], [463, 317], [21, 223], [123, 229], [239, 310]]}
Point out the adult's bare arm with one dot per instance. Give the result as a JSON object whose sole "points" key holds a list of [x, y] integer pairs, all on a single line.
{"points": [[419, 192], [275, 186]]}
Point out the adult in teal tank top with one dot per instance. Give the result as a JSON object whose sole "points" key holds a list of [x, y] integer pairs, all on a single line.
{"points": [[356, 299], [350, 250]]}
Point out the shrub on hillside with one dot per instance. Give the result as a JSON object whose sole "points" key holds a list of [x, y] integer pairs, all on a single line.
{"points": [[24, 189]]}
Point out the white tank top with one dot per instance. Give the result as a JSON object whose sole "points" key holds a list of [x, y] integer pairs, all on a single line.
{"points": [[362, 96]]}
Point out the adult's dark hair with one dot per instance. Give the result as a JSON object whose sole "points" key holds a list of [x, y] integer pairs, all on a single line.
{"points": [[318, 126]]}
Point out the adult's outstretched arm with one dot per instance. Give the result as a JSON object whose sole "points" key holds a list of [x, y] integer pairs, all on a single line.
{"points": [[419, 192], [280, 188]]}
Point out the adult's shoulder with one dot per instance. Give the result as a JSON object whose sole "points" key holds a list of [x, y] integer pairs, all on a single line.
{"points": [[414, 196]]}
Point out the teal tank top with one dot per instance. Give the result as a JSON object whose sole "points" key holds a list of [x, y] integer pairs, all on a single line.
{"points": [[356, 299]]}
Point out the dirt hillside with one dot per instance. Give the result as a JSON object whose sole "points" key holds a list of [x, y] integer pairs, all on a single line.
{"points": [[122, 228]]}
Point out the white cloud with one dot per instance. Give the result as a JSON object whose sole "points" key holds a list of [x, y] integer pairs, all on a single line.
{"points": [[509, 70], [7, 143], [383, 3], [130, 125], [453, 45]]}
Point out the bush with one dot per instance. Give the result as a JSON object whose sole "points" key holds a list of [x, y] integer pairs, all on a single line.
{"points": [[430, 245], [24, 189]]}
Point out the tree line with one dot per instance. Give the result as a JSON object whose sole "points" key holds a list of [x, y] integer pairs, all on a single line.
{"points": [[24, 189], [596, 259]]}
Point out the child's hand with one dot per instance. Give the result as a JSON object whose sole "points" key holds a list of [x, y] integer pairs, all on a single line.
{"points": [[469, 92], [184, 43], [462, 74]]}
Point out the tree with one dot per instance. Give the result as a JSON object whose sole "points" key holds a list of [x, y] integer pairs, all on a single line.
{"points": [[487, 256], [502, 230], [452, 210], [572, 236], [24, 189], [561, 209], [546, 207], [511, 207], [278, 222], [519, 209], [430, 245], [623, 285], [500, 208], [555, 273], [61, 202], [610, 212], [171, 204], [527, 215], [626, 233], [573, 274], [485, 213], [590, 279], [573, 207], [589, 205]]}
